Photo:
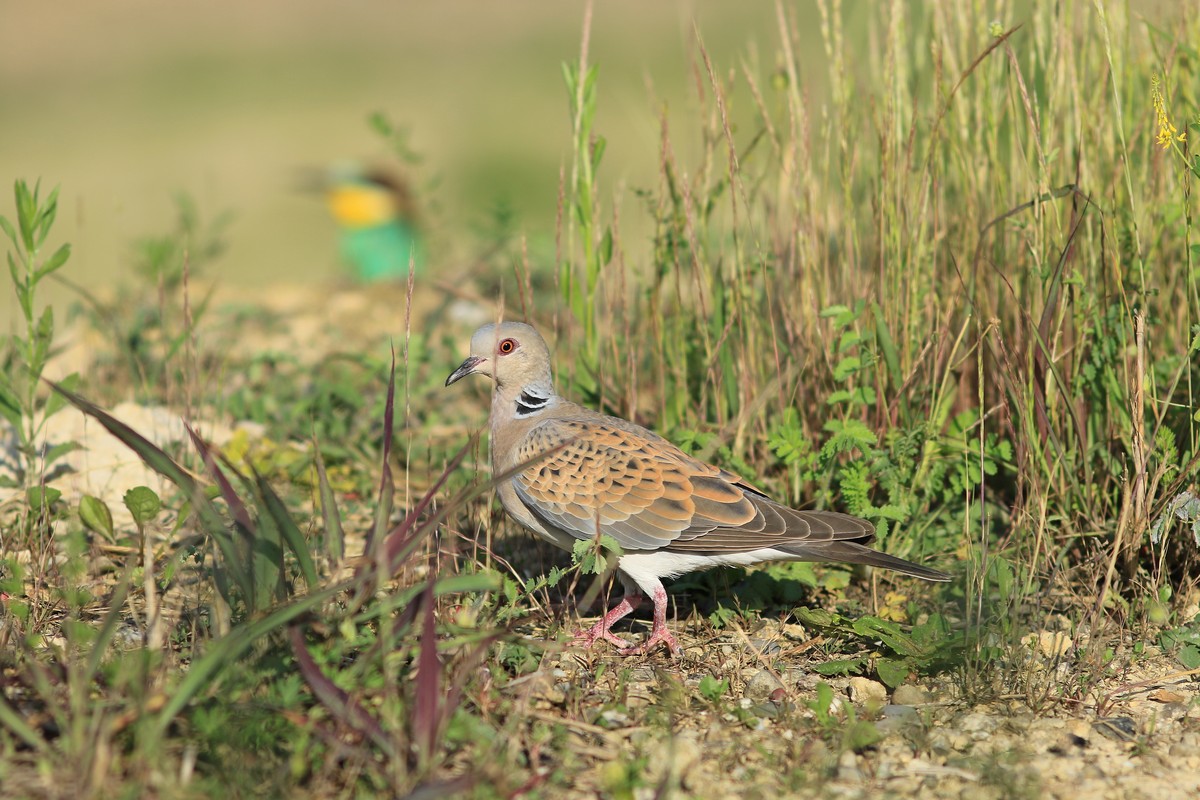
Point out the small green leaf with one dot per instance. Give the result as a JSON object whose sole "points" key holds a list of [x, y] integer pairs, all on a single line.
{"points": [[9, 231], [26, 214], [861, 735], [800, 572], [589, 79], [42, 496], [835, 580], [142, 503], [1189, 656], [895, 513], [598, 148], [722, 616], [712, 689], [1001, 573], [56, 402], [18, 610], [379, 123], [12, 577], [184, 515], [58, 451], [53, 262], [569, 78], [847, 367], [840, 396], [266, 560], [820, 707], [46, 215], [892, 671], [833, 311], [889, 633], [583, 555], [10, 404], [45, 326], [816, 618], [847, 435], [586, 554], [840, 666]]}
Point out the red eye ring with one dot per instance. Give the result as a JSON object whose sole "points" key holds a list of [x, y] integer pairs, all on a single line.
{"points": [[507, 346]]}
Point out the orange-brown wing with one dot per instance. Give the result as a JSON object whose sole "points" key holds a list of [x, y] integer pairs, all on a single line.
{"points": [[614, 478], [638, 489]]}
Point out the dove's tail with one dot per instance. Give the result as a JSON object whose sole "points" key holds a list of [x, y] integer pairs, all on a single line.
{"points": [[854, 553]]}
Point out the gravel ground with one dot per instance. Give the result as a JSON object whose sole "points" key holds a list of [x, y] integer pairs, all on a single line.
{"points": [[1049, 728]]}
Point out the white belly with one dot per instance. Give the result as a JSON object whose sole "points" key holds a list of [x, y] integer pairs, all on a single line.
{"points": [[647, 569]]}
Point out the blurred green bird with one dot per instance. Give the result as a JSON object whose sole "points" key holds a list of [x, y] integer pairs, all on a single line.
{"points": [[376, 213]]}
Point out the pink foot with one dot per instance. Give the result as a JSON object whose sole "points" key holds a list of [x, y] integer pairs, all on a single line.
{"points": [[658, 636], [601, 629], [659, 633]]}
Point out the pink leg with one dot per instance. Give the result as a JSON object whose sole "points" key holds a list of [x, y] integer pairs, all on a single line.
{"points": [[601, 629], [659, 633]]}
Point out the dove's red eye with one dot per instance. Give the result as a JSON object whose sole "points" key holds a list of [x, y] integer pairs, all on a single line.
{"points": [[507, 346]]}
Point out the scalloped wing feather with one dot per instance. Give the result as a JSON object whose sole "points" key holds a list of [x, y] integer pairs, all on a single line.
{"points": [[615, 478]]}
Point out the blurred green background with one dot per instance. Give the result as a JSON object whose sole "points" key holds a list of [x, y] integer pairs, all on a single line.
{"points": [[125, 104]]}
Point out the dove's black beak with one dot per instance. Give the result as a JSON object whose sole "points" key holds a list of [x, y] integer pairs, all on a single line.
{"points": [[464, 369]]}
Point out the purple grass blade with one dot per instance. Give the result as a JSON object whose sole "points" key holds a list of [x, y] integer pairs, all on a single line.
{"points": [[399, 541], [465, 672], [397, 544], [383, 509], [337, 701], [402, 540], [240, 565], [149, 452], [427, 699], [236, 507]]}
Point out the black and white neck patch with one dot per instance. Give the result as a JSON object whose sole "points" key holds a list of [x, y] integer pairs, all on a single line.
{"points": [[530, 403]]}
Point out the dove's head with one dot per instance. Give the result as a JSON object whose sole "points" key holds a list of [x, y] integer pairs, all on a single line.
{"points": [[512, 354]]}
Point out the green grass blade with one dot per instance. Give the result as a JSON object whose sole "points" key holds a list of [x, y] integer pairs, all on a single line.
{"points": [[11, 719], [888, 345], [116, 608], [225, 651], [278, 512], [335, 538]]}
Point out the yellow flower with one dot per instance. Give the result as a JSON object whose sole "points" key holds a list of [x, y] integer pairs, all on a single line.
{"points": [[1167, 132], [894, 607]]}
